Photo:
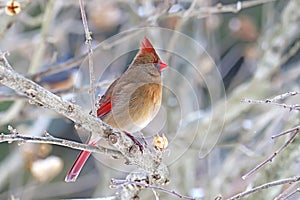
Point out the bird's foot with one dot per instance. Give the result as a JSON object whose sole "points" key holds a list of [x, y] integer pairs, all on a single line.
{"points": [[135, 141]]}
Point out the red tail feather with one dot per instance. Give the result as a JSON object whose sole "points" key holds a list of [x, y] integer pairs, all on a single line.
{"points": [[77, 166]]}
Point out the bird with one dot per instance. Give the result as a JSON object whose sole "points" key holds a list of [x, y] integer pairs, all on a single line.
{"points": [[131, 101]]}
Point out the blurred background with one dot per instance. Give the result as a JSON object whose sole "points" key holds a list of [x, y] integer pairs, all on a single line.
{"points": [[216, 58]]}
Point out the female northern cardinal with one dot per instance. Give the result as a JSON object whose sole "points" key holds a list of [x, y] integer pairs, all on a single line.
{"points": [[131, 101]]}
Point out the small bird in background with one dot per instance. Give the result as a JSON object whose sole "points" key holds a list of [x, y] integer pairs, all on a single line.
{"points": [[131, 101]]}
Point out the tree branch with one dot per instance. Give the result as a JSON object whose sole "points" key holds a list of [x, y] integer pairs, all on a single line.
{"points": [[88, 39], [291, 194], [150, 162], [273, 101], [270, 158], [16, 137], [265, 186], [221, 8], [116, 182]]}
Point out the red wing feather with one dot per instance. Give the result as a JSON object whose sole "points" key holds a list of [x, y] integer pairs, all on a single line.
{"points": [[105, 101], [104, 108]]}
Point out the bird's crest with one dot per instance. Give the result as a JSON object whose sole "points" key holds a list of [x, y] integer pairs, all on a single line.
{"points": [[146, 46], [147, 54]]}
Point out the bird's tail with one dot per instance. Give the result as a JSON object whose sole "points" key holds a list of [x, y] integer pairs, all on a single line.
{"points": [[78, 164]]}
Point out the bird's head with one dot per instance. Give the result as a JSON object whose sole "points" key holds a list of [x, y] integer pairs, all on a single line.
{"points": [[147, 54]]}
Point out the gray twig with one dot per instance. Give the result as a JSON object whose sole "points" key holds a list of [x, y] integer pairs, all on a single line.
{"points": [[16, 137], [221, 8], [265, 186], [145, 185], [270, 158], [274, 100], [297, 128], [291, 194], [88, 40]]}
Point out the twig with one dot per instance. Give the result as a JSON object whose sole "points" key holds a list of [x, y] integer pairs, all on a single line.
{"points": [[273, 101], [283, 96], [191, 12], [291, 194], [287, 191], [270, 158], [9, 138], [4, 60], [283, 105], [88, 40], [59, 67], [265, 186], [145, 185], [220, 8], [297, 128]]}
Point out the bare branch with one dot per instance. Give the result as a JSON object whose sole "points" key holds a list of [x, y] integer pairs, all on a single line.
{"points": [[277, 98], [283, 96], [291, 194], [9, 138], [265, 186], [220, 8], [88, 40], [290, 140], [4, 60], [145, 185], [297, 128]]}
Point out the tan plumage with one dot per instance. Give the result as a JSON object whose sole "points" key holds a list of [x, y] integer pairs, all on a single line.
{"points": [[135, 97], [131, 101]]}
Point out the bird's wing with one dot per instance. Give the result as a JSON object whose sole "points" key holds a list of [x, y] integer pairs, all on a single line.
{"points": [[105, 101]]}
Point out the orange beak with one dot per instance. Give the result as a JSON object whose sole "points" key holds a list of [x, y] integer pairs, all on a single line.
{"points": [[162, 66]]}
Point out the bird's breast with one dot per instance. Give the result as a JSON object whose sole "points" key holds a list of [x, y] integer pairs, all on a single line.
{"points": [[134, 108], [145, 103]]}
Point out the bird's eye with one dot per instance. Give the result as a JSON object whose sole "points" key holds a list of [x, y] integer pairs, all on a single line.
{"points": [[157, 65]]}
